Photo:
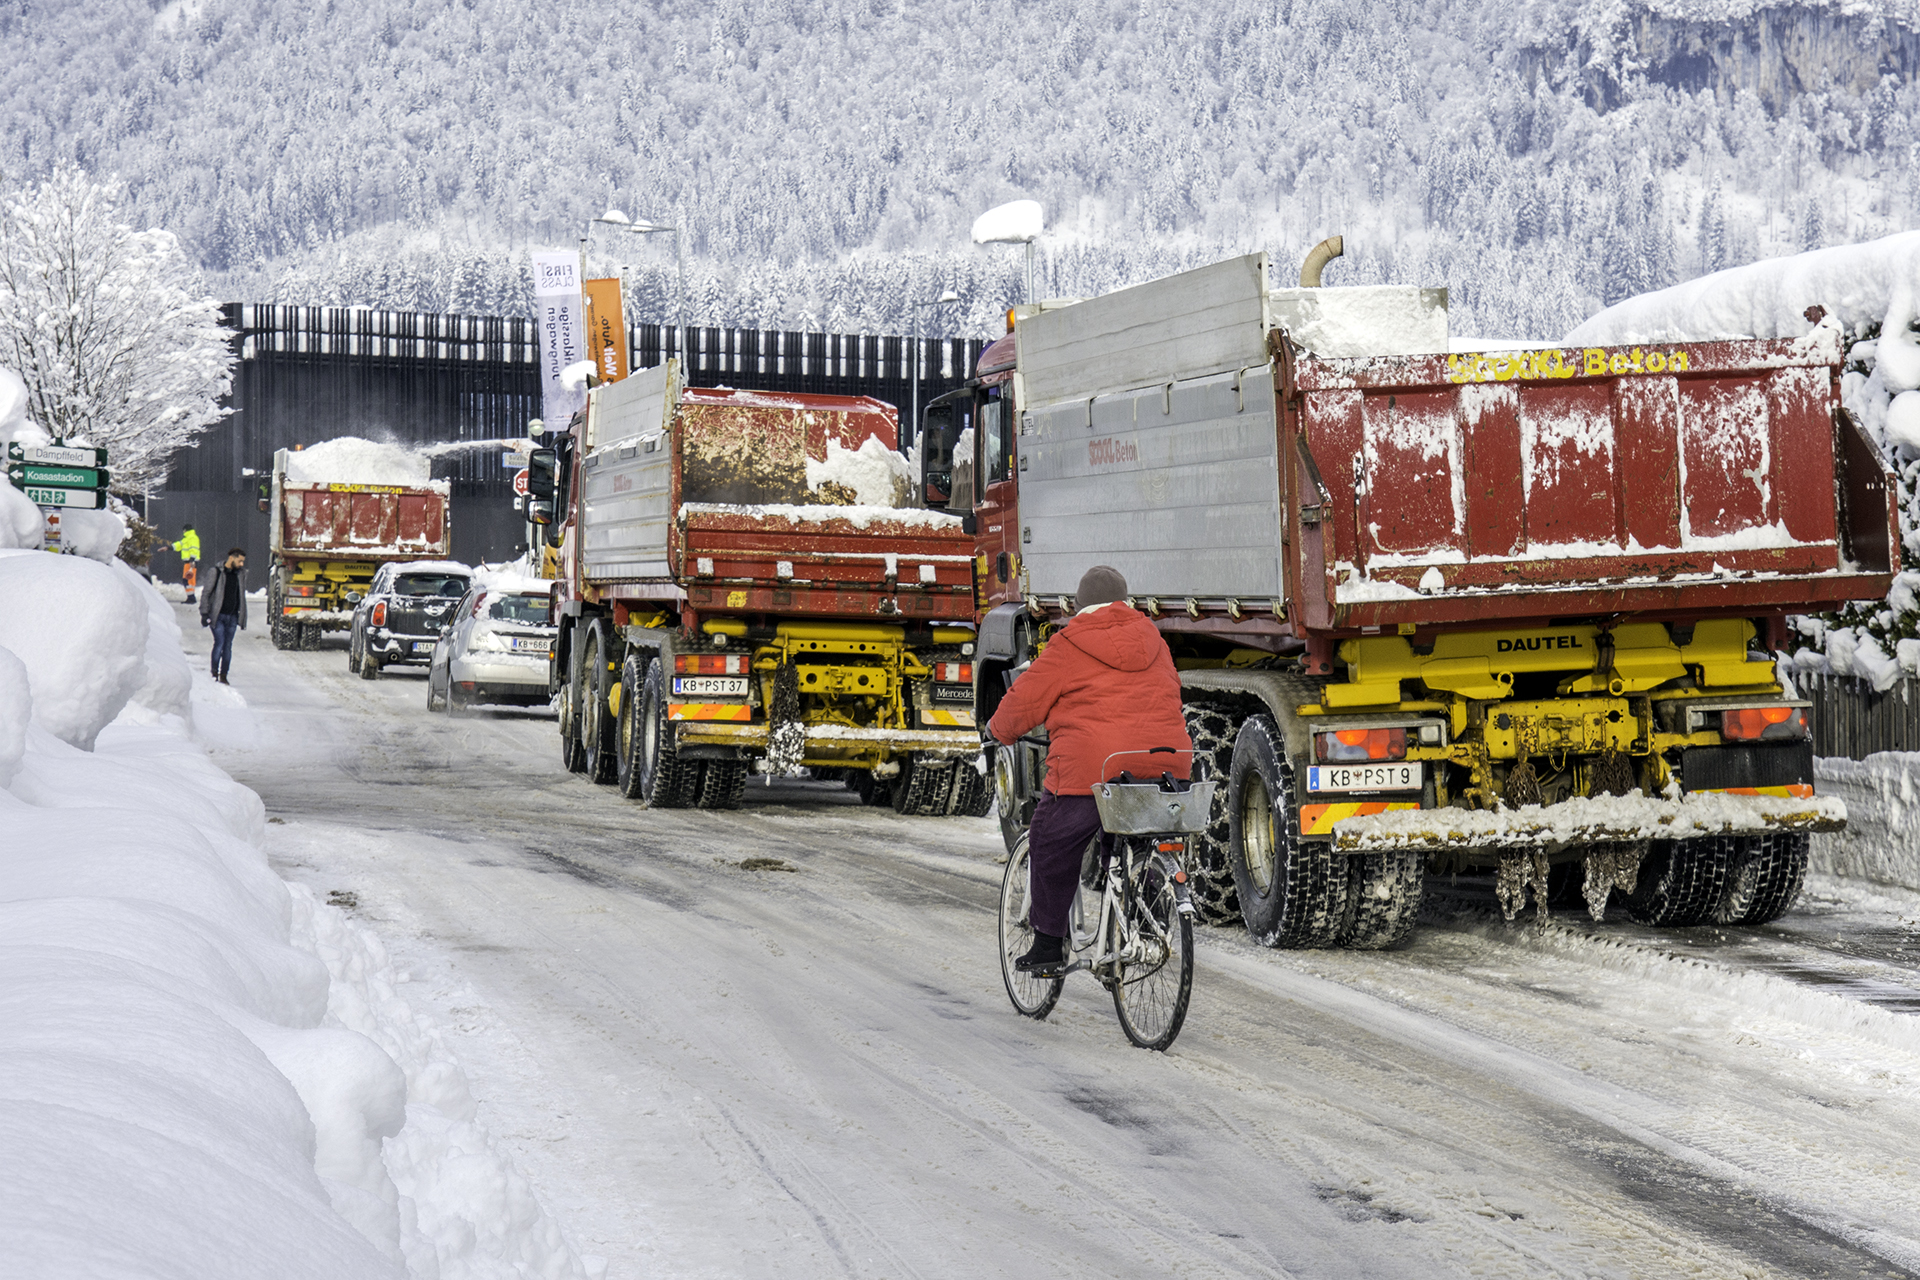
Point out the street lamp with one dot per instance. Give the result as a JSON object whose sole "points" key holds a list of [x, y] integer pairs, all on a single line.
{"points": [[913, 423], [646, 227]]}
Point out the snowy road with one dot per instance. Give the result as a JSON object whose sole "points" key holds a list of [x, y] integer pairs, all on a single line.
{"points": [[710, 1071]]}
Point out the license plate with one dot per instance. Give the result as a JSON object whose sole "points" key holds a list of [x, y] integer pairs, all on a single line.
{"points": [[962, 693], [715, 686], [531, 646], [1366, 777]]}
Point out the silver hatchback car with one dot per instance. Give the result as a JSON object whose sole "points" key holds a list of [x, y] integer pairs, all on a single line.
{"points": [[494, 648]]}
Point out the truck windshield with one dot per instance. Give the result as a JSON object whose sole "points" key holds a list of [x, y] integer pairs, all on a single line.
{"points": [[429, 584], [529, 610]]}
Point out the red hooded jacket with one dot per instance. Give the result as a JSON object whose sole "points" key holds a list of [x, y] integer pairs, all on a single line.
{"points": [[1104, 683]]}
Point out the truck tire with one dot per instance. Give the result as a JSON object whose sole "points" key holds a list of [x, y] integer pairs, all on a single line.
{"points": [[279, 629], [923, 787], [972, 795], [1215, 899], [568, 714], [664, 780], [1293, 893], [871, 790], [1383, 899], [597, 730], [1764, 877], [1681, 882], [722, 784], [309, 636]]}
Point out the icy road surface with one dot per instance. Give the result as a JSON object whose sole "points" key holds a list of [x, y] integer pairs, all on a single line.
{"points": [[716, 1072]]}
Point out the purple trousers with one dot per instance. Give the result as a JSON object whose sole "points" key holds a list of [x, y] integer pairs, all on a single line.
{"points": [[1056, 844]]}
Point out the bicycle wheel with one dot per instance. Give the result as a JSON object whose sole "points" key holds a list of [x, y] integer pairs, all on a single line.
{"points": [[1153, 975], [1032, 996]]}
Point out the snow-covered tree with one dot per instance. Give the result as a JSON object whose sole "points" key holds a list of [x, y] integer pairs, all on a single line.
{"points": [[105, 325]]}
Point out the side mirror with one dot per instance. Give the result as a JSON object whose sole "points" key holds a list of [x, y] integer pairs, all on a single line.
{"points": [[540, 510], [540, 480]]}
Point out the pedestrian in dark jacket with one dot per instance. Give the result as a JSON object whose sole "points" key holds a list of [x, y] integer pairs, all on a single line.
{"points": [[223, 609], [1104, 684]]}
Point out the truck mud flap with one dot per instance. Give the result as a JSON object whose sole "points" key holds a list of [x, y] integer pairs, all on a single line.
{"points": [[1582, 821]]}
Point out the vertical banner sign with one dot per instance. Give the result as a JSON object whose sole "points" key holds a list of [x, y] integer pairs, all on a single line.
{"points": [[562, 322], [606, 329]]}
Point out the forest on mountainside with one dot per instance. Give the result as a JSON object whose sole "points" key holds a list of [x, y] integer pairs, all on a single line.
{"points": [[825, 158]]}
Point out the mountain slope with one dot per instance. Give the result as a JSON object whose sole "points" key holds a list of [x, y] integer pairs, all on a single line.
{"points": [[826, 157]]}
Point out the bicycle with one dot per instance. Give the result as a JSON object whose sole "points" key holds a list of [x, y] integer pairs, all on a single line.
{"points": [[1141, 944]]}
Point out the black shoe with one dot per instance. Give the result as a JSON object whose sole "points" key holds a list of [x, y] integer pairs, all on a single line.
{"points": [[221, 679], [1046, 959]]}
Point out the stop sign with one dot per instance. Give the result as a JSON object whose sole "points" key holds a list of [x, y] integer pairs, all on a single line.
{"points": [[520, 482]]}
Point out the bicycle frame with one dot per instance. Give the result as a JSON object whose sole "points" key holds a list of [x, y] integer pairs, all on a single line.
{"points": [[1116, 884]]}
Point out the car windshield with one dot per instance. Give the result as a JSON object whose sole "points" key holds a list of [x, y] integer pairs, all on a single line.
{"points": [[528, 609], [429, 584]]}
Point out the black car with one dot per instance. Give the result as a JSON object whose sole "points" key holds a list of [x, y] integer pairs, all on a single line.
{"points": [[402, 614]]}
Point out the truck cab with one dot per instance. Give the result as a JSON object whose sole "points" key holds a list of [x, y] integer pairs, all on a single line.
{"points": [[968, 461]]}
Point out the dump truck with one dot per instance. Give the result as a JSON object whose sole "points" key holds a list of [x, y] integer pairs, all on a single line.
{"points": [[328, 537], [743, 585], [1504, 611]]}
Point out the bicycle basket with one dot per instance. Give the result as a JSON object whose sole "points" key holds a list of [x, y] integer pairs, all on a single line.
{"points": [[1143, 809]]}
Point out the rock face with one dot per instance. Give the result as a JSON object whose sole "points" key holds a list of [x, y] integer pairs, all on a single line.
{"points": [[1776, 52]]}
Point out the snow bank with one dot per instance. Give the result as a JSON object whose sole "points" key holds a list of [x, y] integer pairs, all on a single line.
{"points": [[876, 475], [81, 630], [206, 1072], [352, 460], [97, 535], [1882, 839], [21, 523]]}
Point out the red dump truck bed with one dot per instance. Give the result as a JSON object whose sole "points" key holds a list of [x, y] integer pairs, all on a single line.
{"points": [[907, 564], [729, 498], [362, 521], [1691, 480]]}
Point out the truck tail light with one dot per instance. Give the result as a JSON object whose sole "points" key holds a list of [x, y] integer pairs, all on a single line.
{"points": [[953, 672], [380, 613], [710, 664], [1752, 724], [1342, 745]]}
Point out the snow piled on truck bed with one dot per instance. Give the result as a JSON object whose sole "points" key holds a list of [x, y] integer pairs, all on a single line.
{"points": [[207, 1071], [876, 475], [353, 460]]}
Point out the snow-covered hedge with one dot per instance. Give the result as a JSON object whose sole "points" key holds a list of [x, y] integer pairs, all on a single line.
{"points": [[1873, 291], [205, 1072]]}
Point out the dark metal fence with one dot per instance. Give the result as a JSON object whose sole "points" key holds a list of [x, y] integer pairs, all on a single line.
{"points": [[1853, 720], [307, 374]]}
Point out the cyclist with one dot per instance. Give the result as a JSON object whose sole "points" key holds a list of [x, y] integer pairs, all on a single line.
{"points": [[1105, 683]]}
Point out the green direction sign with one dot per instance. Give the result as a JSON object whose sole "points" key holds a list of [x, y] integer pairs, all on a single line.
{"points": [[23, 474], [88, 499], [59, 455]]}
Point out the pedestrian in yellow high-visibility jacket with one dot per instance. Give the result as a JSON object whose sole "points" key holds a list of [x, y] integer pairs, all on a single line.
{"points": [[189, 549]]}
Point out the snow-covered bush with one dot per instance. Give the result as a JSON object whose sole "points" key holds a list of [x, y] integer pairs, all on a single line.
{"points": [[1873, 292]]}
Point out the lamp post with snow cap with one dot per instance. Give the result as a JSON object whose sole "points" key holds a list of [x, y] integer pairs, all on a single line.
{"points": [[647, 227], [913, 421], [1017, 222]]}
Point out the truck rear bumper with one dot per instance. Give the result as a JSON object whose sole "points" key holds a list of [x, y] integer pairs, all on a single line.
{"points": [[1581, 821], [946, 742]]}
